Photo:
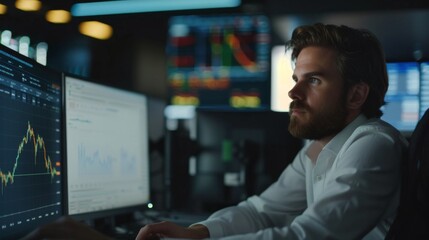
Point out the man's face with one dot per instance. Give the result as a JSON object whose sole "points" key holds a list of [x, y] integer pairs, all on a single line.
{"points": [[318, 107]]}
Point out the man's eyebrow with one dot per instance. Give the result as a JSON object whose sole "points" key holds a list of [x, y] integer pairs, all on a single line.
{"points": [[309, 74]]}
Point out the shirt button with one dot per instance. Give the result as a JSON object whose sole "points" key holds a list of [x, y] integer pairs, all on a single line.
{"points": [[319, 177]]}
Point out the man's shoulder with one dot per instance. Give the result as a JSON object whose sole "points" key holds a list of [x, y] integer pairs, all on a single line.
{"points": [[378, 126], [377, 123]]}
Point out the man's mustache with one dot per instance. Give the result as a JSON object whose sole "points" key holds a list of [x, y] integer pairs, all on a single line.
{"points": [[298, 105]]}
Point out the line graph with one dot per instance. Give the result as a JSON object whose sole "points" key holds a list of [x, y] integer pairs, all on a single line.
{"points": [[239, 54], [93, 161], [30, 166], [128, 162], [8, 176]]}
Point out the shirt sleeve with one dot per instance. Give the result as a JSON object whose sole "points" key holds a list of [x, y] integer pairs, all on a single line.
{"points": [[359, 190]]}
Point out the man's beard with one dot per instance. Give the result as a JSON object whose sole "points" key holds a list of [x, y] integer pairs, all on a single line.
{"points": [[323, 123]]}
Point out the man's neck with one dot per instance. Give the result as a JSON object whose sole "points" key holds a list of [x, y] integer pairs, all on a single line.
{"points": [[317, 145], [314, 150]]}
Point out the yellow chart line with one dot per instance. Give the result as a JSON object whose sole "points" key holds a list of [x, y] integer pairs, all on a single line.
{"points": [[38, 144]]}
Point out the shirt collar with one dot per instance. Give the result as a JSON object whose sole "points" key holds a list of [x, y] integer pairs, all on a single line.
{"points": [[337, 142]]}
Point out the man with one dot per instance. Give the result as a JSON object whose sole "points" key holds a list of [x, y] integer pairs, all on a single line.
{"points": [[344, 184]]}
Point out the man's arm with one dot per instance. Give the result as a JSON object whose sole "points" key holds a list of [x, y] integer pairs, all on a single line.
{"points": [[360, 191], [280, 210]]}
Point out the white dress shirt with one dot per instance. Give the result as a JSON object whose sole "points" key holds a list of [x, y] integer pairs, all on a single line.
{"points": [[351, 191]]}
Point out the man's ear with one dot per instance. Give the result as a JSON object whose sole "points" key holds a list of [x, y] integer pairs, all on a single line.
{"points": [[357, 95]]}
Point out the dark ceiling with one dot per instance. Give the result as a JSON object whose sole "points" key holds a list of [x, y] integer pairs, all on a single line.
{"points": [[153, 24]]}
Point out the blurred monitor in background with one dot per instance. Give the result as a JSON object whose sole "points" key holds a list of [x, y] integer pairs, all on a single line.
{"points": [[219, 61], [281, 78], [403, 96]]}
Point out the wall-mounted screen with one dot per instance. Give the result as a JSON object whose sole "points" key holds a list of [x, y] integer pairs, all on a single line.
{"points": [[424, 87], [403, 95], [219, 61]]}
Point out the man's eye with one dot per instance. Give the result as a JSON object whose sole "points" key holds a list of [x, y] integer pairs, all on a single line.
{"points": [[314, 80]]}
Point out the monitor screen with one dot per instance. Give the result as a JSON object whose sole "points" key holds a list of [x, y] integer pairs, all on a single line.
{"points": [[424, 87], [403, 96], [219, 61], [107, 148], [281, 78], [30, 144]]}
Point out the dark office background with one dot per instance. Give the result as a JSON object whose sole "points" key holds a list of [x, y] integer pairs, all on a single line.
{"points": [[134, 57]]}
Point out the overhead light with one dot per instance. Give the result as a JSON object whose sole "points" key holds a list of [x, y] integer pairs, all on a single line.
{"points": [[138, 6], [58, 16], [3, 9], [96, 30], [28, 5]]}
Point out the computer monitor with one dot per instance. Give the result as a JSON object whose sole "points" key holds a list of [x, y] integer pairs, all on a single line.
{"points": [[281, 78], [424, 87], [30, 144], [219, 61], [107, 149], [403, 96]]}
